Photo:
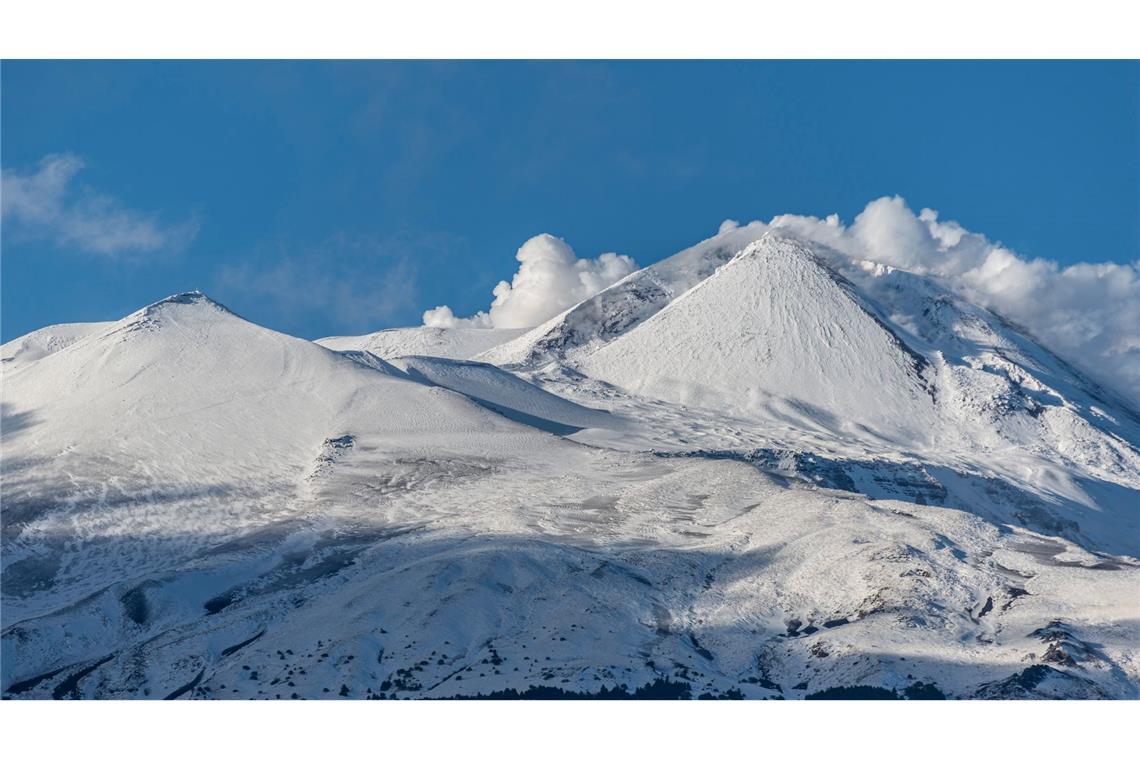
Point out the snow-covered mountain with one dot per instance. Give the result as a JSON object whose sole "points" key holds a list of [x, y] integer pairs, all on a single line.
{"points": [[624, 304], [774, 327], [757, 468]]}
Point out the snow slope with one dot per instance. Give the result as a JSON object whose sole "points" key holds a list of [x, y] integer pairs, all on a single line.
{"points": [[448, 342], [507, 394], [47, 340]]}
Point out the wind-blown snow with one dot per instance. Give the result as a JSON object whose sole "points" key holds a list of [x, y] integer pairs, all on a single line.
{"points": [[549, 279]]}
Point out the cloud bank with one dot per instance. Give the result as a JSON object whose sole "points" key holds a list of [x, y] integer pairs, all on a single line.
{"points": [[1087, 313], [550, 279], [50, 204]]}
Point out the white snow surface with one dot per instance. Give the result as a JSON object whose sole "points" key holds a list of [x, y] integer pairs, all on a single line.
{"points": [[47, 340], [448, 342], [506, 393], [754, 469]]}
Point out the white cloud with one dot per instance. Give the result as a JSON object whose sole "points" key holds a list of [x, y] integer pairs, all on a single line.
{"points": [[1089, 314], [443, 316], [550, 279], [352, 283], [50, 204]]}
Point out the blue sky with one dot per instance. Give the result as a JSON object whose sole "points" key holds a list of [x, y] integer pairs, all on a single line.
{"points": [[340, 197]]}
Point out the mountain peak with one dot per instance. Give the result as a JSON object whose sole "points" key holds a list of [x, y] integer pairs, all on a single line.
{"points": [[188, 298], [193, 302], [780, 243], [773, 328], [634, 299]]}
